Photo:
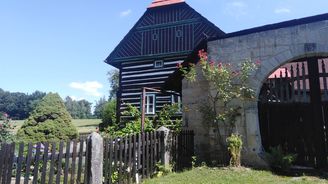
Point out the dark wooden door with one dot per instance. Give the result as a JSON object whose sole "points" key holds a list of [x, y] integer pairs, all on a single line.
{"points": [[293, 108]]}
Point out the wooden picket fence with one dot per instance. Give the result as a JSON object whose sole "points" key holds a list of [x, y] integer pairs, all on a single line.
{"points": [[130, 159], [182, 150], [43, 163], [125, 160]]}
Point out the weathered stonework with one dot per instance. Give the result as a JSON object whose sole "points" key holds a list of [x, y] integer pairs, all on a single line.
{"points": [[273, 48]]}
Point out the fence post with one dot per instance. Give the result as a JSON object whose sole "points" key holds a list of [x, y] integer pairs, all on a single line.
{"points": [[166, 145], [95, 159]]}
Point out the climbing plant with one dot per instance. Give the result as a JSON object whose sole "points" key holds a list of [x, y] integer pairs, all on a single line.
{"points": [[228, 83]]}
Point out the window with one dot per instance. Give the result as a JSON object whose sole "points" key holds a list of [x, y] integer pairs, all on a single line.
{"points": [[150, 104], [158, 64], [177, 100], [178, 34], [155, 36]]}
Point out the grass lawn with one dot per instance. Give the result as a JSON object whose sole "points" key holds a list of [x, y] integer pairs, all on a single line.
{"points": [[205, 175], [82, 125]]}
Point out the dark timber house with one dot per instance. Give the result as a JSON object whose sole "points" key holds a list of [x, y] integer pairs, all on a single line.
{"points": [[164, 37]]}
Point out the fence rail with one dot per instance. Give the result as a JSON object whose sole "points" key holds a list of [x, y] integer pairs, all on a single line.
{"points": [[125, 160]]}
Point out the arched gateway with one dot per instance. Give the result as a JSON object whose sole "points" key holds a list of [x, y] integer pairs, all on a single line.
{"points": [[293, 110], [291, 86]]}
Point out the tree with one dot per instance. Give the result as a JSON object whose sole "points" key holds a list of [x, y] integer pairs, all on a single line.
{"points": [[113, 78], [108, 115], [48, 122], [19, 105], [78, 109], [99, 107]]}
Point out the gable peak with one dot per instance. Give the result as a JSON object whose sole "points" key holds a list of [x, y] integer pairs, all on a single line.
{"points": [[158, 3]]}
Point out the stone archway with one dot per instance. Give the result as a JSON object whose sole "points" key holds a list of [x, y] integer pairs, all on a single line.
{"points": [[273, 47]]}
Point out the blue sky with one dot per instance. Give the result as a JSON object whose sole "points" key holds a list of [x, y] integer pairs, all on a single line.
{"points": [[59, 45]]}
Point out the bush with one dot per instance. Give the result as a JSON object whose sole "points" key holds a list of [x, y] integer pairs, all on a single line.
{"points": [[131, 126], [279, 159], [235, 144], [166, 118], [49, 122]]}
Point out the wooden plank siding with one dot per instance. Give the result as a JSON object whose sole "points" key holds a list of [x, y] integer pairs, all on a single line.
{"points": [[135, 76], [167, 33]]}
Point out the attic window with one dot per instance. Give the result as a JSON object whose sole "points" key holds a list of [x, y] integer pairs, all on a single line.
{"points": [[155, 36], [178, 33], [158, 64]]}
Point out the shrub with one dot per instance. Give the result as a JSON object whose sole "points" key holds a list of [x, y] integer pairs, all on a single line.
{"points": [[279, 159], [235, 144], [166, 118], [49, 122], [5, 127], [131, 126]]}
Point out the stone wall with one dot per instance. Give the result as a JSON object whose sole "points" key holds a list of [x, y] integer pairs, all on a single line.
{"points": [[273, 48]]}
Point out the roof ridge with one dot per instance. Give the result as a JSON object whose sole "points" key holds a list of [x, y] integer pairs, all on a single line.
{"points": [[158, 3]]}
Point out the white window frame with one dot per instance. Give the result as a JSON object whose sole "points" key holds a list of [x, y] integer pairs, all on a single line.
{"points": [[149, 110], [161, 64], [179, 102]]}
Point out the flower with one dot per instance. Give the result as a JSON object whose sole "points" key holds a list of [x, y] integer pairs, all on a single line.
{"points": [[202, 54], [258, 62], [179, 65], [212, 64]]}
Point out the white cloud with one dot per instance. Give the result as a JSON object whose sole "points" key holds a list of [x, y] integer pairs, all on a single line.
{"points": [[238, 4], [90, 87], [236, 9], [282, 10], [125, 13]]}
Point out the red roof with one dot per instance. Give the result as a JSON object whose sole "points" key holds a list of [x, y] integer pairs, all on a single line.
{"points": [[157, 3]]}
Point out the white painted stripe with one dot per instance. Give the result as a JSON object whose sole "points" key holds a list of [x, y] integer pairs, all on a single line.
{"points": [[163, 97], [130, 94], [138, 66], [130, 99], [145, 83], [137, 80], [148, 74], [149, 70], [138, 62], [173, 62]]}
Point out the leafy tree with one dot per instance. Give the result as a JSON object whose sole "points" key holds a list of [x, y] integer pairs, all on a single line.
{"points": [[78, 109], [108, 114], [5, 128], [113, 78], [19, 105], [49, 121], [99, 107]]}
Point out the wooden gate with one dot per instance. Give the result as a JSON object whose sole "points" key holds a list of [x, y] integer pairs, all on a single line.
{"points": [[293, 110]]}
